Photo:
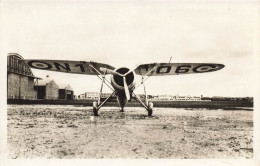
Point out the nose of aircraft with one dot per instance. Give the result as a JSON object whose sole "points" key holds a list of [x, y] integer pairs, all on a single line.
{"points": [[123, 82], [119, 79]]}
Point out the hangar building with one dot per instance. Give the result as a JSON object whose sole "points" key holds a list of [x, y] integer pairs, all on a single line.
{"points": [[20, 79], [47, 89], [66, 92]]}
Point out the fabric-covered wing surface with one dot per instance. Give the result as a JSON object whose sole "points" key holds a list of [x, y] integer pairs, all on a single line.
{"points": [[160, 69], [76, 67]]}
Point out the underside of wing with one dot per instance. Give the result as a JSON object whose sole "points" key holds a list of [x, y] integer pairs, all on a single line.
{"points": [[159, 69], [76, 67]]}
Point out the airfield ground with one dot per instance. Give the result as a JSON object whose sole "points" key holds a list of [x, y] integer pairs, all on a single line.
{"points": [[44, 131]]}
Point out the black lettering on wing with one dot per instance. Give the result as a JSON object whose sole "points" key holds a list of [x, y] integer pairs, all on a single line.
{"points": [[81, 67], [182, 69], [205, 68], [39, 65], [163, 69], [59, 66]]}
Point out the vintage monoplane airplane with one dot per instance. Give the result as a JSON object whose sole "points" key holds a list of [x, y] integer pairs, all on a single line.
{"points": [[123, 81]]}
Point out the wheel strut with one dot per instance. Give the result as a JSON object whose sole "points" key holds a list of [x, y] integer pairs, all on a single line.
{"points": [[150, 109], [95, 108]]}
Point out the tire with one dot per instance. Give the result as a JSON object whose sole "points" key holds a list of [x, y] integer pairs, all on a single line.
{"points": [[150, 109], [95, 110]]}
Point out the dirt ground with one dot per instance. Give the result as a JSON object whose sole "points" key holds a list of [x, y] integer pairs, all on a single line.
{"points": [[41, 131]]}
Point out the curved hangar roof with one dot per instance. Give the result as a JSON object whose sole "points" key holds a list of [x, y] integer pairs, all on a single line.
{"points": [[16, 65]]}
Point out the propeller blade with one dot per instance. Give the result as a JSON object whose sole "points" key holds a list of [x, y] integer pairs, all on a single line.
{"points": [[128, 72], [126, 89], [110, 71], [131, 69]]}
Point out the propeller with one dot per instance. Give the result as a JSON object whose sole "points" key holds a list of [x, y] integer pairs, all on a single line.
{"points": [[126, 89], [127, 93], [125, 85]]}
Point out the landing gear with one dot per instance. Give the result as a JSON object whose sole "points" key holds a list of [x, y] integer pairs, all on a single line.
{"points": [[97, 104], [95, 108], [150, 109], [147, 105]]}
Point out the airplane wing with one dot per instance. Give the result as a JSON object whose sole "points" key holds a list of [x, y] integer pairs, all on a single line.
{"points": [[76, 67], [160, 69]]}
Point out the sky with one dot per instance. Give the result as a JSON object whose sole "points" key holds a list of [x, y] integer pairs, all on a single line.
{"points": [[133, 33]]}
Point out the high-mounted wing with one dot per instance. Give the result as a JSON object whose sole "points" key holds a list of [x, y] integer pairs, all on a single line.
{"points": [[159, 69], [76, 67]]}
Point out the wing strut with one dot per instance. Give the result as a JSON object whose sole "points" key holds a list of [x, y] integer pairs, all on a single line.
{"points": [[101, 78], [145, 77], [140, 101], [146, 101], [97, 105], [147, 105], [100, 93]]}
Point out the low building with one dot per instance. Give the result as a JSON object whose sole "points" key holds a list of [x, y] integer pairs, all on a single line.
{"points": [[91, 95], [188, 98], [66, 92], [177, 98], [20, 79], [81, 96], [164, 97], [105, 95], [47, 89]]}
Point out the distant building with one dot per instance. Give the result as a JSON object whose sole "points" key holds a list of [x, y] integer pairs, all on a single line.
{"points": [[20, 79], [91, 95], [47, 89], [81, 96], [66, 92], [105, 95], [165, 97], [177, 98], [188, 98]]}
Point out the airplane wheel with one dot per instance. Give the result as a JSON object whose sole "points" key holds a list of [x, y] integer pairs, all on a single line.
{"points": [[95, 110], [150, 109]]}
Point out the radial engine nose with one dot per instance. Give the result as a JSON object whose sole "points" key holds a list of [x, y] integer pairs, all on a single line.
{"points": [[118, 81]]}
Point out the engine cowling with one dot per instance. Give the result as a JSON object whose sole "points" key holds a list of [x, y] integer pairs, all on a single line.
{"points": [[118, 82]]}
